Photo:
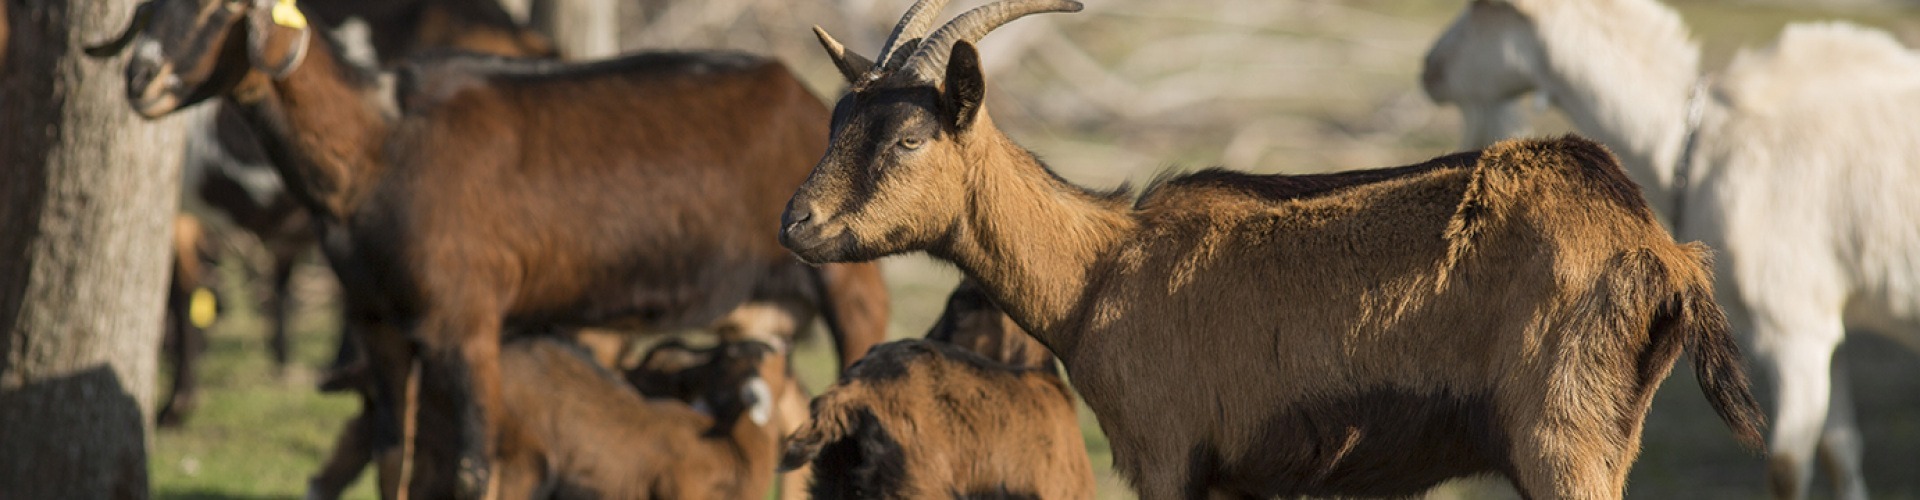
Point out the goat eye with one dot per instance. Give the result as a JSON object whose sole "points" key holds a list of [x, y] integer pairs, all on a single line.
{"points": [[911, 142]]}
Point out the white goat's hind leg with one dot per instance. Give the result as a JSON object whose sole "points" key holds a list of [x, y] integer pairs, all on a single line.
{"points": [[1800, 352], [1840, 446]]}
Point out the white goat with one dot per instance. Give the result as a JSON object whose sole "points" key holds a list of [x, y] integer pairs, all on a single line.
{"points": [[1793, 162]]}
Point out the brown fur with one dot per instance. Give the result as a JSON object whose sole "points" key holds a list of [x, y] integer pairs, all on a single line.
{"points": [[632, 192], [922, 419], [1509, 313], [665, 373], [577, 431]]}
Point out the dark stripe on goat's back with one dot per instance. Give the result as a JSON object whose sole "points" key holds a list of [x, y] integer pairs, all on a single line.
{"points": [[891, 360], [1280, 187]]}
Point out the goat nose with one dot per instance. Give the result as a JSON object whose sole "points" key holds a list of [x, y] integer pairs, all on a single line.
{"points": [[791, 221]]}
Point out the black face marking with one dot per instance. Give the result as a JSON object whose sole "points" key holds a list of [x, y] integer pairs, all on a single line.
{"points": [[868, 464], [867, 128]]}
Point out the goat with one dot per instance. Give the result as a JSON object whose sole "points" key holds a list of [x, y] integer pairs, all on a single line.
{"points": [[191, 308], [576, 430], [665, 372], [1792, 161], [505, 193], [1373, 332], [573, 429], [927, 418], [228, 166]]}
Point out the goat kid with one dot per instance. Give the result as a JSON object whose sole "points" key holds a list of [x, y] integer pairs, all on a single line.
{"points": [[976, 410]]}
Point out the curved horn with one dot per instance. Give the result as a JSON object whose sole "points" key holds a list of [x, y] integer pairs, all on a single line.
{"points": [[930, 59], [851, 65], [142, 15], [913, 25]]}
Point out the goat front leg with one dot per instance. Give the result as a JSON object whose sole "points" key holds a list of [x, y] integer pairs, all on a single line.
{"points": [[857, 307], [277, 311], [459, 406]]}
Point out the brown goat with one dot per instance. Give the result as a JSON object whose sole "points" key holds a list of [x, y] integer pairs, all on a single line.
{"points": [[930, 418], [636, 191], [576, 430], [663, 373], [1372, 333]]}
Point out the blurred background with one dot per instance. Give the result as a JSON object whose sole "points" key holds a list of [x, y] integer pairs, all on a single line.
{"points": [[1117, 93]]}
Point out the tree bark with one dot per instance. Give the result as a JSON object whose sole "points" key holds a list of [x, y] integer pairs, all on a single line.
{"points": [[87, 190]]}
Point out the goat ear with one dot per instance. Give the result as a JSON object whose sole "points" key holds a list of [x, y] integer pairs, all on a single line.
{"points": [[852, 66], [965, 86], [277, 22]]}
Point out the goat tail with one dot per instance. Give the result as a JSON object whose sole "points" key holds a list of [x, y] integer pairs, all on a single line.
{"points": [[835, 417], [1694, 316]]}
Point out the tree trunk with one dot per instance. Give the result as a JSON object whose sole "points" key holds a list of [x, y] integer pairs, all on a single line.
{"points": [[87, 190]]}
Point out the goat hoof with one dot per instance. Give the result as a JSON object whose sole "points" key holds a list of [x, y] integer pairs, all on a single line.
{"points": [[473, 479]]}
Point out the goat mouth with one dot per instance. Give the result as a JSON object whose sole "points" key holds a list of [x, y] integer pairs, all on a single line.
{"points": [[811, 245]]}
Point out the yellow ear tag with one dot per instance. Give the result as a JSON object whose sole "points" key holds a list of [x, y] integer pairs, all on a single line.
{"points": [[288, 15], [202, 307]]}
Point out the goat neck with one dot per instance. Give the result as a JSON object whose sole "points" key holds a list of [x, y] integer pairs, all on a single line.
{"points": [[1030, 238], [322, 125]]}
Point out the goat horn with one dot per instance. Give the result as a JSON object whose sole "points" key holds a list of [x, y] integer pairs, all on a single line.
{"points": [[930, 59], [913, 25], [142, 15], [851, 65]]}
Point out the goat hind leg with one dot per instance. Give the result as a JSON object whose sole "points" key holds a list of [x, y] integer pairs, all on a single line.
{"points": [[1800, 352], [1840, 445]]}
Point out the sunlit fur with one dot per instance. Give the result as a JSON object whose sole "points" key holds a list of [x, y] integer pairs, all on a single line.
{"points": [[1369, 333], [1799, 175]]}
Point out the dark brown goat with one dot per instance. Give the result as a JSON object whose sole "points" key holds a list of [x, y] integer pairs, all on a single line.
{"points": [[1508, 311], [228, 166], [930, 418], [635, 191]]}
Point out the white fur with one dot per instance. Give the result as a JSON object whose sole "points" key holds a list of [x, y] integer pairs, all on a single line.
{"points": [[1800, 176], [762, 398]]}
